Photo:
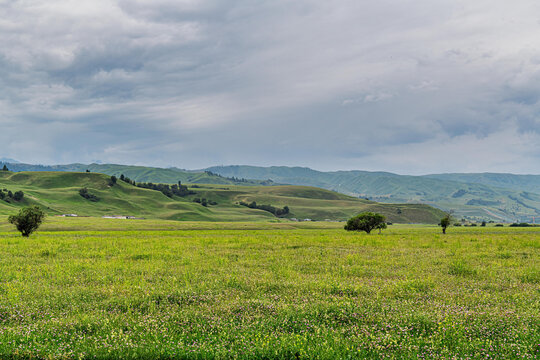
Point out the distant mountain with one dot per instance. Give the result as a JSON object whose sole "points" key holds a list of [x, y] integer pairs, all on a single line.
{"points": [[476, 196], [8, 160], [509, 181]]}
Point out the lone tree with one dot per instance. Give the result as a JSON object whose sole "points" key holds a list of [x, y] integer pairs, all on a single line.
{"points": [[5, 168], [445, 222], [27, 220], [366, 221]]}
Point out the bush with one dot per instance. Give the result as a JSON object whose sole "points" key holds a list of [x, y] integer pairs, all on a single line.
{"points": [[85, 194], [523, 224], [27, 220], [18, 195], [271, 209], [445, 222], [366, 221]]}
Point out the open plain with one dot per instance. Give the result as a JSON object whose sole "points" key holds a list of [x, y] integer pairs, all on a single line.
{"points": [[106, 288]]}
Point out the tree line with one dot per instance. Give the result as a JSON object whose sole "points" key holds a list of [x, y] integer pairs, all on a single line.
{"points": [[8, 195], [87, 195], [272, 209], [166, 189]]}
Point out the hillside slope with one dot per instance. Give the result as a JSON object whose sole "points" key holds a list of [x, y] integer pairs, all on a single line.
{"points": [[529, 183], [58, 193], [467, 199], [139, 173], [500, 197]]}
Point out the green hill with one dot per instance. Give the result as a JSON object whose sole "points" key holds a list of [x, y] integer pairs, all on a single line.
{"points": [[500, 197], [141, 173], [529, 183], [58, 193], [474, 200]]}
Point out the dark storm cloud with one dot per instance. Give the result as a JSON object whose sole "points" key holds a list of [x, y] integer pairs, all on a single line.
{"points": [[385, 85]]}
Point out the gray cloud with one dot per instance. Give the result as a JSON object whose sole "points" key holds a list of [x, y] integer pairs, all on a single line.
{"points": [[408, 87]]}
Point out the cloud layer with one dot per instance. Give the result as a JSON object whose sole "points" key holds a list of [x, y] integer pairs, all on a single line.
{"points": [[412, 87]]}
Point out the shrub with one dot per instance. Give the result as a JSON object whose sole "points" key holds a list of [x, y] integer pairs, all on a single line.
{"points": [[27, 220], [85, 194], [271, 209], [366, 221], [445, 222], [520, 225], [18, 195]]}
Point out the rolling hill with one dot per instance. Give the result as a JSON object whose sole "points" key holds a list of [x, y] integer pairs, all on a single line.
{"points": [[501, 197], [529, 183], [58, 193], [140, 173]]}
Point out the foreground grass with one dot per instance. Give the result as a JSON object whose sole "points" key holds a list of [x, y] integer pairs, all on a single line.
{"points": [[270, 293]]}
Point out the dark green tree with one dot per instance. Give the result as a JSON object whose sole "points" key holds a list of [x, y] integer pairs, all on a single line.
{"points": [[87, 195], [5, 168], [366, 221], [445, 222], [18, 195], [27, 220], [113, 180]]}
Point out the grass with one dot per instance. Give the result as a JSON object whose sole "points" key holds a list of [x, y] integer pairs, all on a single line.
{"points": [[58, 193], [85, 288]]}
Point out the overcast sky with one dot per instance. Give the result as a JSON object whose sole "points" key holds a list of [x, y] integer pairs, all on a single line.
{"points": [[412, 87]]}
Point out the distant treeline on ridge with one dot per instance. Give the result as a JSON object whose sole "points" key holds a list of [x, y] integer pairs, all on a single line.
{"points": [[166, 189]]}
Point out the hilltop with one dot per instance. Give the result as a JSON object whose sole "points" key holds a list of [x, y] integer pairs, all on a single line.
{"points": [[500, 197], [58, 193], [142, 173], [505, 197]]}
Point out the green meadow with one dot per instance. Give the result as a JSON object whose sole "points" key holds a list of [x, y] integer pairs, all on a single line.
{"points": [[155, 289], [58, 193]]}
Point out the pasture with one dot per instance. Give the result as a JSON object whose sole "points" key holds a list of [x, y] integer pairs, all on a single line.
{"points": [[95, 288]]}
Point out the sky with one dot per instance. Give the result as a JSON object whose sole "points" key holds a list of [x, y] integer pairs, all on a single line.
{"points": [[412, 87]]}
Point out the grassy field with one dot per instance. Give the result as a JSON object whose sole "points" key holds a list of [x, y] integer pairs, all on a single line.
{"points": [[85, 288]]}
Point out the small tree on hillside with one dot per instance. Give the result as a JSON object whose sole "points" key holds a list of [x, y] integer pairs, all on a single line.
{"points": [[18, 195], [366, 221], [5, 168], [445, 222], [27, 220], [112, 180]]}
